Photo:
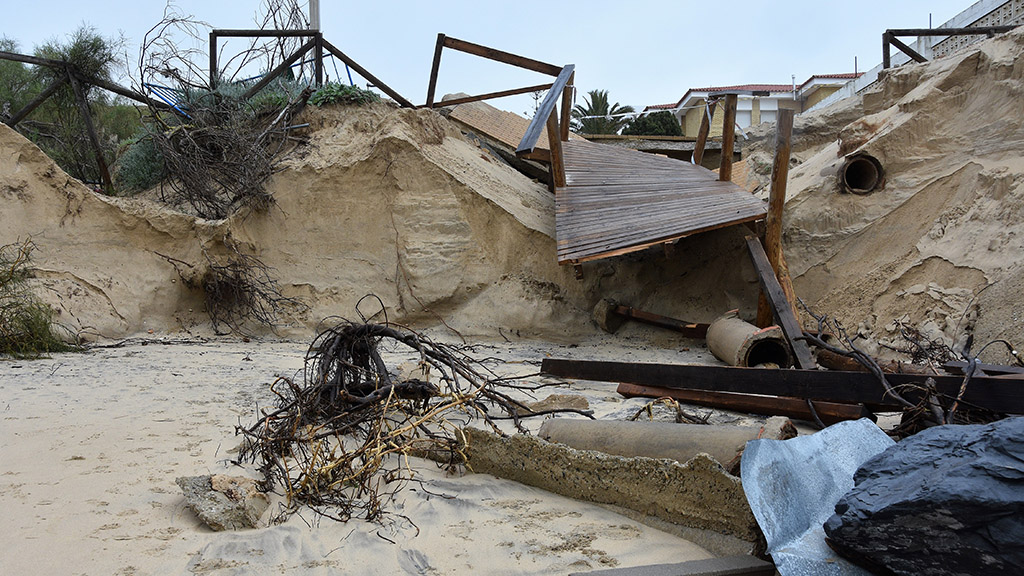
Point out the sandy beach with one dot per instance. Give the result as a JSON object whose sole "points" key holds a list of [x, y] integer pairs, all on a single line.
{"points": [[92, 443]]}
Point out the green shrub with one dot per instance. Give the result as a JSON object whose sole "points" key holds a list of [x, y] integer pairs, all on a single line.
{"points": [[332, 93], [26, 324], [141, 166]]}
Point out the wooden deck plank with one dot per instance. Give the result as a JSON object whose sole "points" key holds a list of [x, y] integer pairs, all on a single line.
{"points": [[618, 201]]}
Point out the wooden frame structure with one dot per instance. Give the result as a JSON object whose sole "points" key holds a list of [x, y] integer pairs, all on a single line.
{"points": [[889, 38], [547, 112], [316, 43], [69, 74]]}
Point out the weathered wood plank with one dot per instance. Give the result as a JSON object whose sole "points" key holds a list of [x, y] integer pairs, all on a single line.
{"points": [[1001, 395], [780, 306]]}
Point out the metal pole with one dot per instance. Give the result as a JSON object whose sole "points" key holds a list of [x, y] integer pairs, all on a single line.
{"points": [[314, 14]]}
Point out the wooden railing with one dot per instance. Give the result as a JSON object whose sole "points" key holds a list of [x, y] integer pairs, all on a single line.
{"points": [[889, 38], [547, 112], [317, 44], [558, 131]]}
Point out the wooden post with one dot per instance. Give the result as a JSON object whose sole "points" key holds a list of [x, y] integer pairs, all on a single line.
{"points": [[83, 107], [438, 48], [21, 114], [886, 58], [213, 60], [318, 59], [567, 108], [773, 223], [781, 307], [555, 145], [728, 138], [705, 128]]}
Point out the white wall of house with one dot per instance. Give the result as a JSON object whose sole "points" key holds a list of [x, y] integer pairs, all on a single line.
{"points": [[1014, 9]]}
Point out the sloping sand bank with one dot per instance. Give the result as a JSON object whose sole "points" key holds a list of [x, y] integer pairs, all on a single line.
{"points": [[942, 244]]}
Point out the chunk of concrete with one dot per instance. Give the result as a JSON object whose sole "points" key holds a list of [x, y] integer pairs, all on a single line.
{"points": [[698, 494], [728, 566], [224, 502], [679, 442]]}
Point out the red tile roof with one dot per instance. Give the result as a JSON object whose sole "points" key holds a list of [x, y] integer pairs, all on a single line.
{"points": [[669, 106], [751, 87], [847, 76]]}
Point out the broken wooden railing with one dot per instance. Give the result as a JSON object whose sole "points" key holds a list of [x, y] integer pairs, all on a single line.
{"points": [[889, 38], [547, 113], [68, 73], [558, 131], [316, 43]]}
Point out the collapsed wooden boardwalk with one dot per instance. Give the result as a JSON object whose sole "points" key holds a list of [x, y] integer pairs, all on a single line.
{"points": [[608, 200], [617, 201]]}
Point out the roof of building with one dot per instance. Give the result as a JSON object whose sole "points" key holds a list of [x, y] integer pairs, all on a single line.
{"points": [[847, 76], [776, 88], [668, 106]]}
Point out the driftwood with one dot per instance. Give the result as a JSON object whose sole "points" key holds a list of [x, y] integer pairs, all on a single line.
{"points": [[337, 442]]}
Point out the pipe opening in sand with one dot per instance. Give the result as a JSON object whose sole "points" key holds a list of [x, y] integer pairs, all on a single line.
{"points": [[861, 174], [768, 352]]}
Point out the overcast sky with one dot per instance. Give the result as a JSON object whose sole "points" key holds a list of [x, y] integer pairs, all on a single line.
{"points": [[642, 52]]}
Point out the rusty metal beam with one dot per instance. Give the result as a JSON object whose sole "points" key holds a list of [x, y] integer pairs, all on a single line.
{"points": [[828, 412], [688, 329]]}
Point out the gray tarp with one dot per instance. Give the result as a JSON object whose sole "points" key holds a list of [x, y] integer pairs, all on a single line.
{"points": [[793, 486]]}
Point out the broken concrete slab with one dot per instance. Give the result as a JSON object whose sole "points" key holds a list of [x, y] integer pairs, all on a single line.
{"points": [[698, 494], [728, 566], [679, 442], [224, 502]]}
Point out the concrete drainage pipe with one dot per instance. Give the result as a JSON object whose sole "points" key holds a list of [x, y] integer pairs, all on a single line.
{"points": [[861, 174], [740, 343]]}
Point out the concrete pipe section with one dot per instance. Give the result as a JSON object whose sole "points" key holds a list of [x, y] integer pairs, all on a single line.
{"points": [[861, 174], [741, 343]]}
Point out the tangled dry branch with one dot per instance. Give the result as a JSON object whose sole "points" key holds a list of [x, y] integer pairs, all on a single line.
{"points": [[932, 407], [339, 441], [240, 290]]}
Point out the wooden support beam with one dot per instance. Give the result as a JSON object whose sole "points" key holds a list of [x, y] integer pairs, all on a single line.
{"points": [[1001, 395], [886, 55], [501, 56], [555, 145], [434, 67], [567, 107], [260, 33], [35, 60], [83, 107], [828, 412], [547, 107], [773, 222], [28, 108], [366, 74], [781, 307], [318, 59], [213, 59], [907, 49], [489, 95], [282, 67], [702, 133], [688, 329], [728, 138], [971, 31]]}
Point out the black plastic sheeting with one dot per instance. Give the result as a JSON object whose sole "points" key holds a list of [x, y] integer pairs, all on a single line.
{"points": [[949, 500]]}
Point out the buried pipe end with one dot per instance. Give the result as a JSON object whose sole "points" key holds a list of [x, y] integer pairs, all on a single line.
{"points": [[740, 343], [861, 174]]}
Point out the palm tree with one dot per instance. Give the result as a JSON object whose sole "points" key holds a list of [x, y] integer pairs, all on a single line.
{"points": [[597, 117]]}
